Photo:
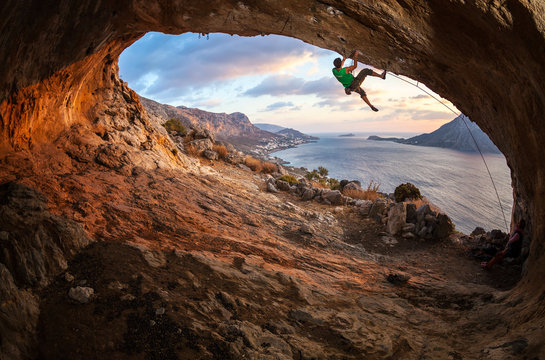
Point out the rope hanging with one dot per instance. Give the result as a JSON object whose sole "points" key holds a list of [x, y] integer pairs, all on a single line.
{"points": [[470, 133]]}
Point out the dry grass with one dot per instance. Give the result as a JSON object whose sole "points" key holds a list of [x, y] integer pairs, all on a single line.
{"points": [[191, 150], [221, 150], [370, 195], [424, 201], [268, 167], [253, 163]]}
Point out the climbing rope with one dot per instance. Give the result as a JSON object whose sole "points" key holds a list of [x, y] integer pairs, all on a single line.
{"points": [[470, 133]]}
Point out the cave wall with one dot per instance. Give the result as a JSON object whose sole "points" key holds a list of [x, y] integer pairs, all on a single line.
{"points": [[484, 56]]}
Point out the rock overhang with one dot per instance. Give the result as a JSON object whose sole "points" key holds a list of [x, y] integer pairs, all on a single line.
{"points": [[485, 57]]}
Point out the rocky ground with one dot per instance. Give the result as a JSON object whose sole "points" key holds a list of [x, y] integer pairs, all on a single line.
{"points": [[116, 245], [205, 264]]}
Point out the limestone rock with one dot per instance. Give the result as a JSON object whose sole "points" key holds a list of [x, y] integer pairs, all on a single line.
{"points": [[378, 208], [271, 188], [283, 185], [200, 145], [396, 218], [308, 194], [81, 294], [210, 155], [411, 213], [444, 227], [334, 197], [40, 243]]}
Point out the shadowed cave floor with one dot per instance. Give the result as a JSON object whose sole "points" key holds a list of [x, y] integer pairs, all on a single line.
{"points": [[208, 266]]}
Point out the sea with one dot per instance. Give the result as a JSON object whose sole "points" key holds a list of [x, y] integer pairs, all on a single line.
{"points": [[456, 182]]}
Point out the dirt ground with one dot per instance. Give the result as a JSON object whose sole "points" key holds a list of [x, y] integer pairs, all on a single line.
{"points": [[209, 266]]}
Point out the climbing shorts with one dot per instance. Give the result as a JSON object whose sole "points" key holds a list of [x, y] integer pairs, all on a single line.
{"points": [[356, 83]]}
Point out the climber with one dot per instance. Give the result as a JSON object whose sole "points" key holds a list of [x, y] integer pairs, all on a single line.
{"points": [[512, 249], [345, 77]]}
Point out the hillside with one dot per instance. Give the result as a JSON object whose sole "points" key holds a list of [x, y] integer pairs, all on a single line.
{"points": [[234, 128], [294, 134], [224, 126], [269, 127], [453, 135]]}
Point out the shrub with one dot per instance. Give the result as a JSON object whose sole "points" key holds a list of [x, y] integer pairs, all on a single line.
{"points": [[175, 125], [362, 194], [221, 150], [253, 163], [333, 184], [289, 179], [322, 171], [191, 150], [370, 194], [406, 191], [269, 167], [373, 186], [311, 175]]}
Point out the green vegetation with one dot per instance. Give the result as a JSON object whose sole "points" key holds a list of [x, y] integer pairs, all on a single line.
{"points": [[333, 184], [175, 125], [323, 171], [289, 179], [406, 191], [320, 176]]}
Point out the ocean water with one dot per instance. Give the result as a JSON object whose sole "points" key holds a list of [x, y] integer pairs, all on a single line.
{"points": [[454, 181]]}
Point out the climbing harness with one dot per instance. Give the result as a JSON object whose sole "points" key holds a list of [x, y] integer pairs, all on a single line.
{"points": [[470, 133]]}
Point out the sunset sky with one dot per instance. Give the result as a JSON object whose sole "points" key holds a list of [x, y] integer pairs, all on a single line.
{"points": [[272, 79]]}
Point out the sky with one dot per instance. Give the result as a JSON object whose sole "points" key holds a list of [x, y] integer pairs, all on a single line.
{"points": [[273, 79]]}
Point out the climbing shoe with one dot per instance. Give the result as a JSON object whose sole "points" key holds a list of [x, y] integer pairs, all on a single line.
{"points": [[374, 108]]}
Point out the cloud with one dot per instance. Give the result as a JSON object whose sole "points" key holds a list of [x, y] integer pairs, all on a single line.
{"points": [[167, 66], [280, 105], [417, 97], [287, 85], [207, 103]]}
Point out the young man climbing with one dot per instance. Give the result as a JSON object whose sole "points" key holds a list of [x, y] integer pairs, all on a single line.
{"points": [[351, 83]]}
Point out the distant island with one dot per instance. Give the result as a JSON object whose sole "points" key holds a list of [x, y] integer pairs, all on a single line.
{"points": [[346, 135], [453, 135]]}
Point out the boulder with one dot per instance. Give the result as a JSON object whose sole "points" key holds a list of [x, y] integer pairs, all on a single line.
{"points": [[308, 194], [201, 145], [396, 218], [422, 211], [378, 208], [271, 188], [81, 294], [410, 227], [443, 227], [353, 185], [198, 133], [210, 154], [411, 213], [334, 197], [283, 185], [234, 159], [365, 207], [478, 231]]}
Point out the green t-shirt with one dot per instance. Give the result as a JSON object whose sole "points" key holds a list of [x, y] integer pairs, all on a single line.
{"points": [[344, 77]]}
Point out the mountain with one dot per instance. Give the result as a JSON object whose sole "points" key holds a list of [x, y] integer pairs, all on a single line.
{"points": [[235, 128], [269, 127], [294, 134], [221, 124], [453, 135]]}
